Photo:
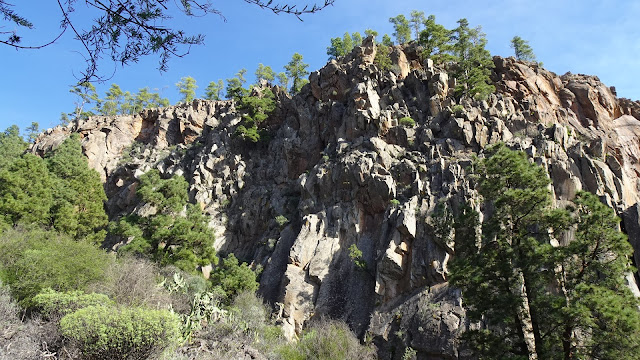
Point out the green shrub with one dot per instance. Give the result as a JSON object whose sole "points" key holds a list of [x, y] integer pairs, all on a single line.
{"points": [[53, 303], [326, 340], [409, 354], [103, 332], [407, 122], [355, 255], [35, 259], [457, 110], [251, 133], [281, 220], [394, 203], [231, 277]]}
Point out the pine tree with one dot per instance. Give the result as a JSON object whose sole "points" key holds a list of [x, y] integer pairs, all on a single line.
{"points": [[536, 301], [343, 46], [596, 300], [12, 145], [187, 87], [283, 80], [416, 21], [500, 274], [265, 73], [214, 90], [402, 29], [78, 206], [370, 32], [336, 49], [386, 40], [522, 49], [128, 104], [474, 62], [86, 95], [235, 85], [357, 39], [297, 71], [113, 101], [33, 131], [347, 43], [144, 99], [178, 232], [436, 40], [25, 192]]}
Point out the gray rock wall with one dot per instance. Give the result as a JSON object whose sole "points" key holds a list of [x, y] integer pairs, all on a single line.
{"points": [[343, 171]]}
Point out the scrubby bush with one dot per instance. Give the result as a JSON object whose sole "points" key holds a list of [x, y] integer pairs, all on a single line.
{"points": [[250, 312], [355, 255], [54, 304], [242, 330], [407, 122], [33, 260], [281, 220], [103, 332], [22, 340], [326, 340], [134, 282], [231, 278], [8, 308], [457, 110]]}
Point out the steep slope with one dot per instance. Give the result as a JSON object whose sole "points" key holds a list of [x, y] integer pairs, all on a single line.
{"points": [[342, 170]]}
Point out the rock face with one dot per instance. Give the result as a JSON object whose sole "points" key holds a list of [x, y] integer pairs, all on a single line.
{"points": [[343, 171]]}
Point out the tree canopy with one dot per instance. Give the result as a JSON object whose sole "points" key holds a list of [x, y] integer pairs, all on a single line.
{"points": [[533, 299], [187, 87], [297, 71], [175, 232], [123, 31], [522, 49]]}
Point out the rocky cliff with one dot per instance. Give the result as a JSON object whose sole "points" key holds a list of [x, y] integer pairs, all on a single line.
{"points": [[342, 170]]}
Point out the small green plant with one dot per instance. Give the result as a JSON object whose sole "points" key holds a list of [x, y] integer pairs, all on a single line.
{"points": [[325, 158], [281, 220], [394, 203], [457, 110], [225, 203], [407, 122], [409, 353], [355, 255], [105, 332]]}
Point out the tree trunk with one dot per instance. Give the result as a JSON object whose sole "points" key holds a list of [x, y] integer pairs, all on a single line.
{"points": [[524, 314]]}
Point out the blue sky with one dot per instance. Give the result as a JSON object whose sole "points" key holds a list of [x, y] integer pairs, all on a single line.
{"points": [[582, 36]]}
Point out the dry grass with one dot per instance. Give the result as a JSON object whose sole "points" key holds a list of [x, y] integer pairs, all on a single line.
{"points": [[133, 282]]}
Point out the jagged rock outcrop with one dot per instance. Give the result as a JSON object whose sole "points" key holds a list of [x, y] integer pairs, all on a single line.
{"points": [[343, 171]]}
